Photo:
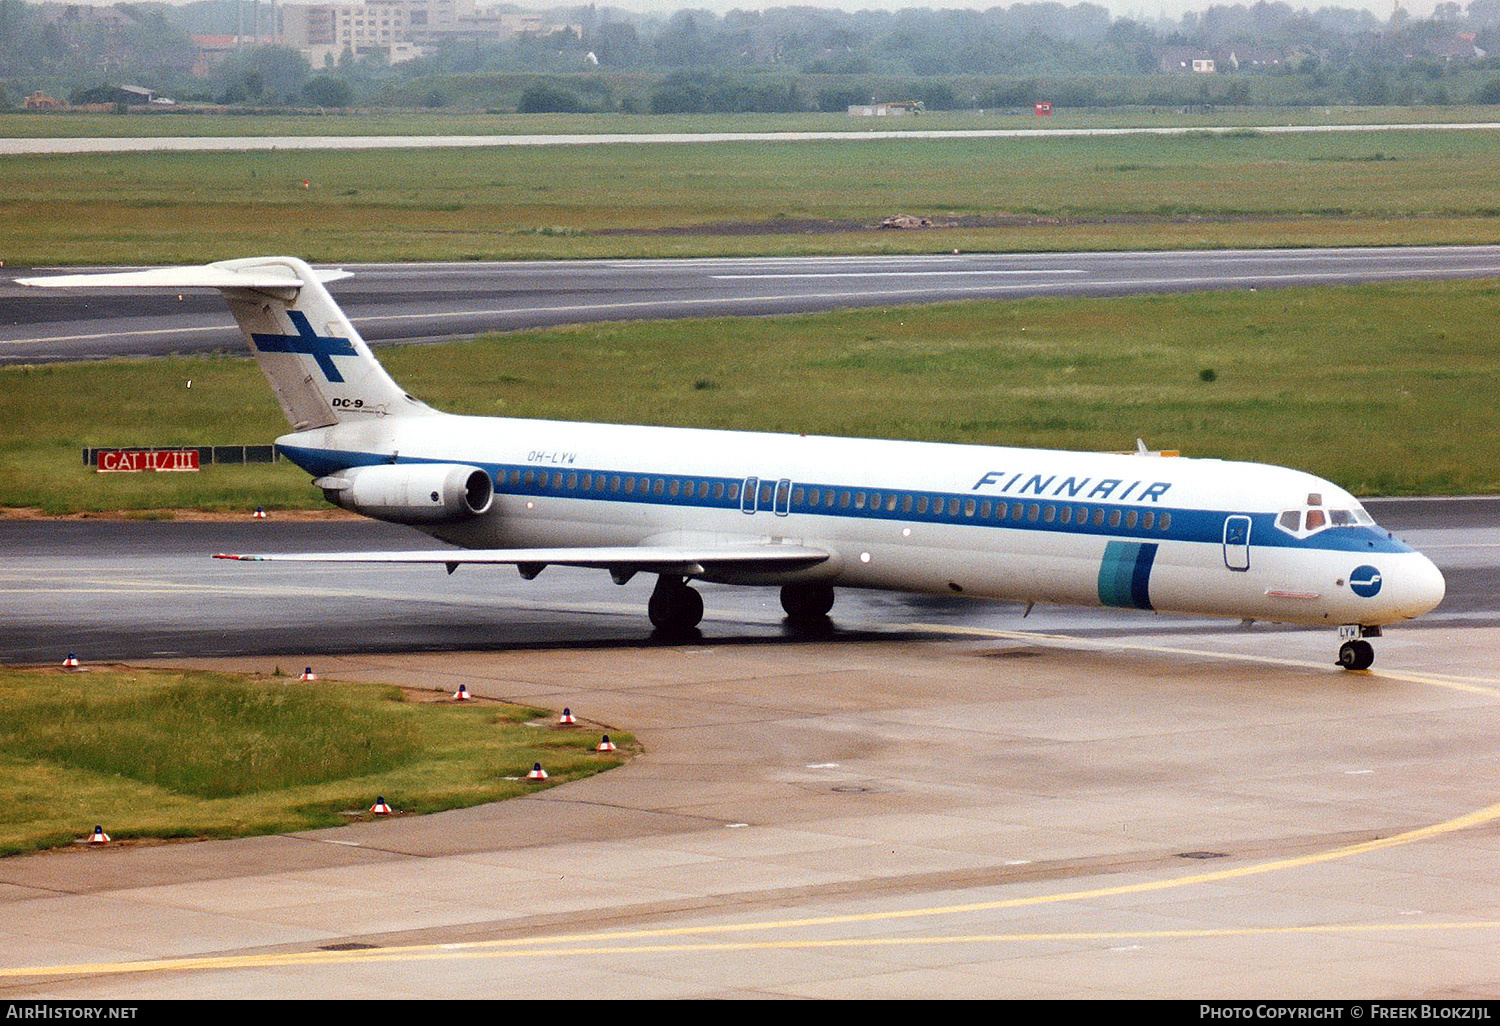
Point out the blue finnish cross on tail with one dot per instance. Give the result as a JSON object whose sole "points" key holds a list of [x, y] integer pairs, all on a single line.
{"points": [[322, 348]]}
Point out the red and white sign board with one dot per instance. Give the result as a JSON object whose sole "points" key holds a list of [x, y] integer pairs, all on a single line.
{"points": [[1044, 110], [117, 461]]}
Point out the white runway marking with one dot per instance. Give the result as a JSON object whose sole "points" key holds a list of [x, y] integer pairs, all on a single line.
{"points": [[886, 274]]}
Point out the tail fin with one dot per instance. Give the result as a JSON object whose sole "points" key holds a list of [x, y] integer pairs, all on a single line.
{"points": [[322, 372]]}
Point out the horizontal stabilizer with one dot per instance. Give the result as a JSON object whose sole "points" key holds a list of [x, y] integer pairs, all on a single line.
{"points": [[207, 276], [322, 372], [644, 558]]}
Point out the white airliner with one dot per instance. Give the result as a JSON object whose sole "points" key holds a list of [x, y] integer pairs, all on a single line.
{"points": [[808, 514]]}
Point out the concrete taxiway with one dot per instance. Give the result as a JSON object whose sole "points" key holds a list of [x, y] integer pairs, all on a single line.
{"points": [[925, 802]]}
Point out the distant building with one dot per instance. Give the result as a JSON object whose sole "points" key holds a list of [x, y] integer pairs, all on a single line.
{"points": [[1253, 59], [211, 51], [41, 101], [129, 95], [1459, 47], [885, 110], [400, 30], [1178, 60]]}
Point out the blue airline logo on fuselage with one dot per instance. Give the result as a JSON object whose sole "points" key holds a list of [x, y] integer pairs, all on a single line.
{"points": [[322, 348], [1365, 581]]}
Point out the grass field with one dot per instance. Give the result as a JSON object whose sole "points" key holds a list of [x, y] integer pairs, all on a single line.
{"points": [[1383, 389], [1151, 192], [164, 754]]}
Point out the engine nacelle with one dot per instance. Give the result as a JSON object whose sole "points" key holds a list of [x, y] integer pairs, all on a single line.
{"points": [[412, 493]]}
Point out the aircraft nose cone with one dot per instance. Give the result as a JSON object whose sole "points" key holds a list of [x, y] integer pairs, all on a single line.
{"points": [[1422, 587]]}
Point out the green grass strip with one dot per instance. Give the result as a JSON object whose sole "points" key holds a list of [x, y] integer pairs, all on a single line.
{"points": [[1383, 389], [172, 754], [697, 199]]}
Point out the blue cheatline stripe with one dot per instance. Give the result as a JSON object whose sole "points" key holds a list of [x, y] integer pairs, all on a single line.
{"points": [[959, 508], [1125, 574]]}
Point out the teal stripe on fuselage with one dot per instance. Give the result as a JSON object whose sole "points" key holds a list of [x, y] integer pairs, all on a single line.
{"points": [[1125, 574]]}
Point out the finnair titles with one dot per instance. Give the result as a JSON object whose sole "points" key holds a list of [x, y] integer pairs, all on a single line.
{"points": [[806, 514]]}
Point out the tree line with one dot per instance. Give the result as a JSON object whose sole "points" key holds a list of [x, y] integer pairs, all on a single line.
{"points": [[795, 59]]}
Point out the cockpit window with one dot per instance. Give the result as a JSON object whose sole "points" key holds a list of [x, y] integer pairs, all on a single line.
{"points": [[1303, 522]]}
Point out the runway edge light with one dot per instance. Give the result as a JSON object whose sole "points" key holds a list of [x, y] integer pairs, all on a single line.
{"points": [[606, 745], [567, 719], [462, 694], [70, 663], [260, 513], [307, 674], [537, 773], [99, 836], [380, 808]]}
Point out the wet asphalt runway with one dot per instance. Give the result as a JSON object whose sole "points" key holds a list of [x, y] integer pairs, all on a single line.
{"points": [[432, 302]]}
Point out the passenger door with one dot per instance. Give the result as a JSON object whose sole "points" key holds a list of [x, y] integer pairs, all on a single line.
{"points": [[1237, 542]]}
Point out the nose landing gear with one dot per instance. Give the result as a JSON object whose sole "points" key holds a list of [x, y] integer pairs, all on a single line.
{"points": [[1356, 653]]}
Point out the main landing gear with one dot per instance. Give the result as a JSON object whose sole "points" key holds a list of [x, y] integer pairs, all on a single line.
{"points": [[674, 607], [807, 605], [1356, 653]]}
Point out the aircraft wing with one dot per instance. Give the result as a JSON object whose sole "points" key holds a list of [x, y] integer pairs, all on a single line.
{"points": [[689, 561]]}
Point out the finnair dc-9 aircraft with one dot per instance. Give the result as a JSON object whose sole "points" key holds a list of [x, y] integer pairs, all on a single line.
{"points": [[807, 514]]}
